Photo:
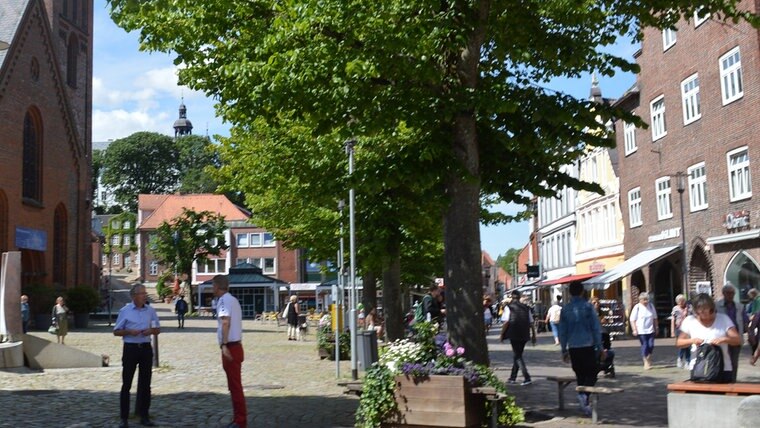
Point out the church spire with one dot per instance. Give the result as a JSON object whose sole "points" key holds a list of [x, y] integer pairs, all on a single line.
{"points": [[182, 126]]}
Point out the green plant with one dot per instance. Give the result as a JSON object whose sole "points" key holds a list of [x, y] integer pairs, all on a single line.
{"points": [[428, 353], [326, 340], [82, 299]]}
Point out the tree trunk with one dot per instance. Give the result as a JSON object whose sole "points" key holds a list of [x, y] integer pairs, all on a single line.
{"points": [[369, 293], [461, 224], [394, 317], [191, 297]]}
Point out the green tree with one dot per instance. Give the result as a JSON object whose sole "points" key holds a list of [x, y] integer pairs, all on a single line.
{"points": [[144, 162], [197, 158], [464, 76], [508, 260], [188, 238]]}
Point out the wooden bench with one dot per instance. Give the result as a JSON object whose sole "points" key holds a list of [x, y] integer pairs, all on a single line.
{"points": [[594, 397], [494, 397], [353, 387], [716, 388], [562, 383], [711, 404]]}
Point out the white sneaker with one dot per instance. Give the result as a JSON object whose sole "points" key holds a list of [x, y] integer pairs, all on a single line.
{"points": [[679, 363]]}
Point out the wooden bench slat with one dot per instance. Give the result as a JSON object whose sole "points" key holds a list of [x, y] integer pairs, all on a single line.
{"points": [[598, 389], [716, 388]]}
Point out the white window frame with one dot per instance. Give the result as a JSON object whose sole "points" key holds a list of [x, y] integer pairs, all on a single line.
{"points": [[669, 38], [242, 240], [731, 83], [700, 20], [258, 237], [663, 191], [116, 259], [153, 268], [267, 240], [739, 177], [127, 224], [690, 99], [697, 175], [268, 271], [104, 260], [127, 240], [657, 110], [629, 138], [634, 207], [116, 240]]}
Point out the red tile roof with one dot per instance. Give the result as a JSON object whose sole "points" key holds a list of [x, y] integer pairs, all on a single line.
{"points": [[172, 206]]}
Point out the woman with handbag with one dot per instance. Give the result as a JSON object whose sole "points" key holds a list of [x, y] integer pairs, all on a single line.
{"points": [[60, 315]]}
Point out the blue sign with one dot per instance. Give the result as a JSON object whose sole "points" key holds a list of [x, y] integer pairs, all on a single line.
{"points": [[31, 239]]}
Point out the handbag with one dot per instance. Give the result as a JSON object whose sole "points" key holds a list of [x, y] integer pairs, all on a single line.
{"points": [[709, 364], [53, 329]]}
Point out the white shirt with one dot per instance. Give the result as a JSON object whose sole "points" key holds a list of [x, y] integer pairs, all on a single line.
{"points": [[228, 306], [719, 328], [643, 317], [554, 311]]}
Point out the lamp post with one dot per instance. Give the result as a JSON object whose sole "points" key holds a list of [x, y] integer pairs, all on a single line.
{"points": [[338, 294], [680, 187], [110, 288], [352, 257]]}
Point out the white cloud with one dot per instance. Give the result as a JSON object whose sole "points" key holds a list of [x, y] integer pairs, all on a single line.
{"points": [[115, 124]]}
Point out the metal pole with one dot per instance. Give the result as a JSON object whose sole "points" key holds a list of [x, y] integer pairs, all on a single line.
{"points": [[352, 256], [684, 270], [110, 290], [338, 294]]}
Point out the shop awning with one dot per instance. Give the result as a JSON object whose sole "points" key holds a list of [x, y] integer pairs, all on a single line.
{"points": [[734, 237], [568, 279], [644, 258]]}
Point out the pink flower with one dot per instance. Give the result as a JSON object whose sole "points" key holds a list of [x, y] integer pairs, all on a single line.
{"points": [[460, 351], [447, 346], [449, 352]]}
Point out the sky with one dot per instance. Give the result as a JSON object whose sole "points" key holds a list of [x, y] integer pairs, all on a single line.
{"points": [[138, 91]]}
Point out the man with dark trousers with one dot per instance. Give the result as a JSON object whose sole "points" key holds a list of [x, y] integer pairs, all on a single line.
{"points": [[135, 324], [518, 329], [229, 333], [580, 337]]}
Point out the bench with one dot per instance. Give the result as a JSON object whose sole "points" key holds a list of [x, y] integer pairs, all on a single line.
{"points": [[713, 404], [494, 397], [562, 383], [594, 392], [353, 387]]}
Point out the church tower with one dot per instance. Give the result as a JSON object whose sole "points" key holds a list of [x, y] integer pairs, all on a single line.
{"points": [[182, 126]]}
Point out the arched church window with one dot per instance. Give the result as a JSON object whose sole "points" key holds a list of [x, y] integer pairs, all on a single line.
{"points": [[32, 157], [71, 61], [744, 274]]}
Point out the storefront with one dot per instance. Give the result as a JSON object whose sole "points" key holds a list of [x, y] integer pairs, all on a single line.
{"points": [[256, 292], [735, 256]]}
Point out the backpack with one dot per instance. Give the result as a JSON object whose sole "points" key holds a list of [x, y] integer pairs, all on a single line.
{"points": [[708, 365], [419, 311]]}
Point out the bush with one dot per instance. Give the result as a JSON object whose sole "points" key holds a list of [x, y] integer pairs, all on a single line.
{"points": [[82, 299]]}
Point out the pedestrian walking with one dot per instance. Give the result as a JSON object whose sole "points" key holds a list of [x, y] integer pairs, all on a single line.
{"points": [[677, 315], [644, 325], [488, 314], [229, 333], [135, 324], [291, 313], [518, 329], [24, 313], [180, 308], [553, 317], [580, 336], [707, 325], [728, 305], [60, 318]]}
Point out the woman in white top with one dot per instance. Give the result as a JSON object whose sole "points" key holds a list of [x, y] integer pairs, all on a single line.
{"points": [[644, 325], [706, 325]]}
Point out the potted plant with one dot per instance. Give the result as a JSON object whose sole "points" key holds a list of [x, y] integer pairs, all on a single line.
{"points": [[326, 340], [413, 373], [41, 301], [81, 300]]}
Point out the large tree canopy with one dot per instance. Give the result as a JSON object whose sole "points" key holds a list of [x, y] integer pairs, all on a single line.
{"points": [[464, 76]]}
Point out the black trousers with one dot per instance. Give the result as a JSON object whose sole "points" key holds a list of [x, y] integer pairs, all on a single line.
{"points": [[585, 365], [518, 346], [133, 357]]}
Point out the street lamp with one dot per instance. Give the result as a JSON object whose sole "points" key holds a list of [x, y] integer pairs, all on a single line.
{"points": [[352, 256], [680, 187], [339, 291]]}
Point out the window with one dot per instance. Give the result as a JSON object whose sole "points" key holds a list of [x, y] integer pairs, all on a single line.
{"points": [[700, 17], [213, 242], [697, 187], [116, 224], [242, 240], [731, 76], [116, 240], [127, 261], [116, 259], [663, 191], [657, 107], [153, 269], [268, 239], [629, 136], [213, 266], [127, 240], [104, 260], [690, 98], [255, 239], [668, 38], [634, 207], [240, 261], [127, 224], [32, 158], [72, 55], [268, 266], [739, 180]]}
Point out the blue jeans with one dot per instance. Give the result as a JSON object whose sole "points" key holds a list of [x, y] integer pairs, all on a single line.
{"points": [[647, 344], [555, 329], [684, 354]]}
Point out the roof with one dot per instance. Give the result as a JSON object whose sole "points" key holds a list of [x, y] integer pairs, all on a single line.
{"points": [[246, 273], [173, 205], [150, 202], [11, 12]]}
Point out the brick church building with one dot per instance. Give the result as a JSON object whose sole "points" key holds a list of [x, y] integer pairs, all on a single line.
{"points": [[45, 139]]}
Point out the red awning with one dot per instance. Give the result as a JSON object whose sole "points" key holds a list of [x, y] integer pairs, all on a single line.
{"points": [[570, 278]]}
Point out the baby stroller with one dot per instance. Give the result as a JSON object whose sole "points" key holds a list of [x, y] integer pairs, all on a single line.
{"points": [[607, 364]]}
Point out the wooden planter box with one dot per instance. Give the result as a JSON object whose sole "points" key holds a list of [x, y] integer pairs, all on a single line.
{"points": [[436, 401]]}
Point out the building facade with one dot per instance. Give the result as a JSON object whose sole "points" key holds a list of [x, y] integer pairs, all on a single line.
{"points": [[689, 182], [45, 134]]}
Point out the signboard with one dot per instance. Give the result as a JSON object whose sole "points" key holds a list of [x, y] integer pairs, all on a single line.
{"points": [[736, 220], [674, 232], [703, 287], [533, 271], [596, 267], [31, 239]]}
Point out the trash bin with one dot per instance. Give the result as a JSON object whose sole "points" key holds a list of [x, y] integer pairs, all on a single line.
{"points": [[366, 349]]}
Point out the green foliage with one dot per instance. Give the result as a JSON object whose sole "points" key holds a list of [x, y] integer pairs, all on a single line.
{"points": [[197, 158], [377, 401], [508, 260], [41, 297], [326, 341], [82, 299]]}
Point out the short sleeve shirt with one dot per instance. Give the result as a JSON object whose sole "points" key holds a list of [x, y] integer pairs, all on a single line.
{"points": [[228, 306], [133, 318], [719, 328]]}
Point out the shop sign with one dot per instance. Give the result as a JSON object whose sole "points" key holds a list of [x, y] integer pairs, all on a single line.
{"points": [[31, 239], [736, 220], [596, 267], [674, 232]]}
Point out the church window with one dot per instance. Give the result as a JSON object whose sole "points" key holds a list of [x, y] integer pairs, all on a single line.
{"points": [[71, 64], [32, 157]]}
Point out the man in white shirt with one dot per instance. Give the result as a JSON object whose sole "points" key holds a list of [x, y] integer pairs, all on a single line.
{"points": [[229, 333]]}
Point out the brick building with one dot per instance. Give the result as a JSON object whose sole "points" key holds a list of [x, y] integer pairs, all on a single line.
{"points": [[699, 91], [45, 134]]}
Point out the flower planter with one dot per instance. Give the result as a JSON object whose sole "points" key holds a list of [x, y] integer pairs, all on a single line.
{"points": [[436, 401]]}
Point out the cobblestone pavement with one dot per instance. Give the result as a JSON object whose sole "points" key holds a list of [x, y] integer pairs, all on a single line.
{"points": [[287, 385]]}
